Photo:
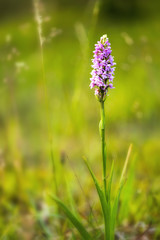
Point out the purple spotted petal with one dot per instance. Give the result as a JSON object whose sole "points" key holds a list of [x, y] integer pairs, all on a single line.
{"points": [[103, 67]]}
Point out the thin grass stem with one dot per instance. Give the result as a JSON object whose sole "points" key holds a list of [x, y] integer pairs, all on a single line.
{"points": [[46, 98]]}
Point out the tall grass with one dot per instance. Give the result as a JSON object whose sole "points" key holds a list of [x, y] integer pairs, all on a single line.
{"points": [[39, 20], [109, 204]]}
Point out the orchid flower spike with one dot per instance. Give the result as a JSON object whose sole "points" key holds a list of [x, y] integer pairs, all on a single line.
{"points": [[103, 68]]}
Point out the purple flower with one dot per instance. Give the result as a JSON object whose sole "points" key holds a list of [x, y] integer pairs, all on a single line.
{"points": [[103, 70]]}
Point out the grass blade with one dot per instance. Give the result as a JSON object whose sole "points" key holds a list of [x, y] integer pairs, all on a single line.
{"points": [[128, 193], [78, 225], [126, 163], [116, 201], [115, 210], [104, 205]]}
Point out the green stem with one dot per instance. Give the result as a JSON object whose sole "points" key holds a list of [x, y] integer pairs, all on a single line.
{"points": [[102, 129]]}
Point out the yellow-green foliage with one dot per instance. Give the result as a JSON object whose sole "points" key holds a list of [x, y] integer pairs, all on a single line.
{"points": [[68, 119]]}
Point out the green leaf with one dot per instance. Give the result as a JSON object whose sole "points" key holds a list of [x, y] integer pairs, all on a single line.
{"points": [[115, 210], [116, 201], [78, 225], [104, 205], [128, 192], [109, 185]]}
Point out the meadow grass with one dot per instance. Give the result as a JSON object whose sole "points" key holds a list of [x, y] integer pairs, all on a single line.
{"points": [[132, 116]]}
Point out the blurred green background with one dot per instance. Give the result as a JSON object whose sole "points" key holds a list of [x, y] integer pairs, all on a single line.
{"points": [[49, 117]]}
